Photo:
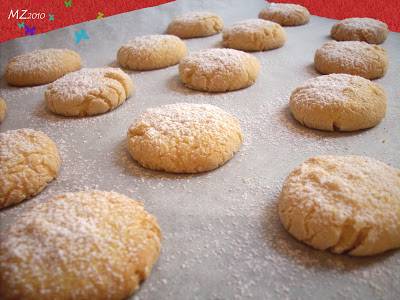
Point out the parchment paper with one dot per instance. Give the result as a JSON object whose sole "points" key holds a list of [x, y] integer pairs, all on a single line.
{"points": [[222, 236]]}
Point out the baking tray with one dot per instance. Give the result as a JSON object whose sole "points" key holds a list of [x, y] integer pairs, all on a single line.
{"points": [[222, 236]]}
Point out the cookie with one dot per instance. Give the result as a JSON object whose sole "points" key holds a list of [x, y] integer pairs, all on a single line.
{"points": [[351, 57], [218, 70], [41, 66], [184, 138], [87, 92], [360, 29], [29, 160], [151, 52], [338, 102], [195, 24], [285, 14], [84, 245], [254, 35], [344, 204], [3, 109]]}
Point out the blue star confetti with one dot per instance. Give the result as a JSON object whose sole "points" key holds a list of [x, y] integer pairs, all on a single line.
{"points": [[81, 35]]}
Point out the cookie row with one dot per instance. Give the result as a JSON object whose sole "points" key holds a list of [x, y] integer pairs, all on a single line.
{"points": [[109, 242]]}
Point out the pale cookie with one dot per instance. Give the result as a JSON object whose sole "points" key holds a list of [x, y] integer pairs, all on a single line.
{"points": [[353, 57], [360, 29], [338, 102], [195, 24], [285, 14], [344, 204], [3, 109], [184, 138], [41, 66], [151, 52], [218, 70], [29, 160], [84, 245], [90, 91], [254, 35]]}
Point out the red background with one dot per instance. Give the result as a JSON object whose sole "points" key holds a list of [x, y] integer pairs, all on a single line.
{"points": [[84, 10], [80, 11], [387, 11]]}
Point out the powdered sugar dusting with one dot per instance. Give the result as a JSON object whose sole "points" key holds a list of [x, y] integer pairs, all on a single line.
{"points": [[15, 142], [149, 43], [324, 90], [350, 54], [285, 9], [187, 123], [249, 26], [80, 83], [194, 17], [80, 244], [364, 23], [39, 60], [225, 220], [344, 203], [212, 60]]}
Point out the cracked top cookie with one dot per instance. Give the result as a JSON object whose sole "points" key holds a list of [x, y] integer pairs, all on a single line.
{"points": [[88, 92], [84, 245], [344, 204], [29, 160], [184, 138]]}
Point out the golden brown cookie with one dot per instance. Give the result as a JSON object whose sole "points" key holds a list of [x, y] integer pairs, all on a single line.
{"points": [[84, 245]]}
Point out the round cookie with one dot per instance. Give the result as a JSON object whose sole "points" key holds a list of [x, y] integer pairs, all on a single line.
{"points": [[84, 245], [285, 14], [352, 57], [344, 204], [184, 138], [87, 92], [218, 70], [29, 160], [195, 24], [41, 66], [151, 52], [3, 109], [338, 102], [254, 35], [360, 29]]}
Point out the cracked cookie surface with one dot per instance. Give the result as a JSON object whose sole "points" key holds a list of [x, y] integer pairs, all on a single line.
{"points": [[184, 138], [344, 204], [87, 92], [29, 160], [84, 245], [219, 70], [339, 102]]}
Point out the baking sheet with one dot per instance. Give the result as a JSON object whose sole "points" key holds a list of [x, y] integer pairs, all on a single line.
{"points": [[222, 237]]}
